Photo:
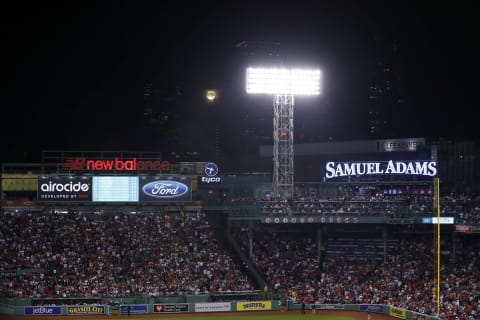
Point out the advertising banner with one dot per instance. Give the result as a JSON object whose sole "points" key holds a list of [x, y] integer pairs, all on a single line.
{"points": [[134, 308], [398, 313], [420, 316], [210, 175], [19, 204], [254, 305], [43, 311], [64, 189], [463, 229], [208, 181], [168, 189], [371, 307], [332, 307], [116, 164], [213, 307], [400, 145], [96, 309], [414, 168], [170, 308], [279, 219], [19, 182]]}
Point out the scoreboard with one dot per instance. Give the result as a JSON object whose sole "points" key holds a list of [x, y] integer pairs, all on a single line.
{"points": [[115, 188]]}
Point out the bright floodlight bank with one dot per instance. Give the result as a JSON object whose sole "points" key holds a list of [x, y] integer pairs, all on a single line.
{"points": [[278, 81], [284, 84]]}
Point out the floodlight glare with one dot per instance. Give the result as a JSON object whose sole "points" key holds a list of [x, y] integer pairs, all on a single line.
{"points": [[283, 81], [284, 84]]}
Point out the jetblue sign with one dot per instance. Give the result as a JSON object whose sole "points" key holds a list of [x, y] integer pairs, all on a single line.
{"points": [[40, 310]]}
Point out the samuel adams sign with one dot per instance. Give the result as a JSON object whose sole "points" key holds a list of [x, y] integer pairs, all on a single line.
{"points": [[344, 169]]}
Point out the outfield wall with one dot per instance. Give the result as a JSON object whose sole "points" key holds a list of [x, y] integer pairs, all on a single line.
{"points": [[204, 307], [373, 308]]}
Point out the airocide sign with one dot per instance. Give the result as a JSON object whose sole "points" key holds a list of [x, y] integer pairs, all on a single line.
{"points": [[64, 189]]}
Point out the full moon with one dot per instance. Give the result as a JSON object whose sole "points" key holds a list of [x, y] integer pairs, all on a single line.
{"points": [[211, 95]]}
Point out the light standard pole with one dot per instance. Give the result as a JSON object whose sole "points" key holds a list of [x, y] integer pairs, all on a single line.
{"points": [[284, 84]]}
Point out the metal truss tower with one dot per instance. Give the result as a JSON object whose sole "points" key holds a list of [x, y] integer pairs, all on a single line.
{"points": [[283, 148], [284, 84]]}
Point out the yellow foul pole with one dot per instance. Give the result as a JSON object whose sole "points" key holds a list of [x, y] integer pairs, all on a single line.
{"points": [[436, 205]]}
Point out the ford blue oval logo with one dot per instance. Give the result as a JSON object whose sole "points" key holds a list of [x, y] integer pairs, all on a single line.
{"points": [[165, 189]]}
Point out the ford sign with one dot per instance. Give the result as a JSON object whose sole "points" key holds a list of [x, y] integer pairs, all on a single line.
{"points": [[165, 189]]}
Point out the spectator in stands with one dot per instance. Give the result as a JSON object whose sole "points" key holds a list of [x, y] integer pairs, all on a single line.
{"points": [[76, 254]]}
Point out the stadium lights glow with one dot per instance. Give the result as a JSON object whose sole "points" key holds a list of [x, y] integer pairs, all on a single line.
{"points": [[283, 81]]}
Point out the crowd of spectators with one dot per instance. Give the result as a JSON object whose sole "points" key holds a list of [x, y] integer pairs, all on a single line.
{"points": [[161, 254], [375, 200], [465, 209], [406, 278], [75, 254]]}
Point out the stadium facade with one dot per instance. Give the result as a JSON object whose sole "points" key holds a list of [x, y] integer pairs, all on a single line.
{"points": [[354, 201]]}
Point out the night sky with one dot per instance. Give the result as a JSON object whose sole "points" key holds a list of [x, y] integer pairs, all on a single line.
{"points": [[74, 73]]}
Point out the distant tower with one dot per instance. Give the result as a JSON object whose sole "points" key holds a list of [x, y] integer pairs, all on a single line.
{"points": [[385, 87]]}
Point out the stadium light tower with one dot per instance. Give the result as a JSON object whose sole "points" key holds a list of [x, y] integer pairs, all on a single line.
{"points": [[284, 84]]}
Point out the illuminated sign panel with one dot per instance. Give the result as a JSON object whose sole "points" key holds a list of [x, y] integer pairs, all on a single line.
{"points": [[254, 305], [89, 309], [170, 307], [41, 310], [210, 177], [165, 189], [463, 229], [343, 169], [400, 145], [434, 220], [115, 189], [116, 164], [64, 189], [19, 182]]}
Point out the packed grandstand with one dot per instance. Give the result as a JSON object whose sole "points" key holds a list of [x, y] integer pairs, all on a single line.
{"points": [[364, 242]]}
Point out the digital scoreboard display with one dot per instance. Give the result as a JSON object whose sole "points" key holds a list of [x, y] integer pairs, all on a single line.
{"points": [[115, 189], [434, 220]]}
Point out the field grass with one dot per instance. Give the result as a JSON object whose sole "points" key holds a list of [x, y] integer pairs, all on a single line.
{"points": [[262, 317]]}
